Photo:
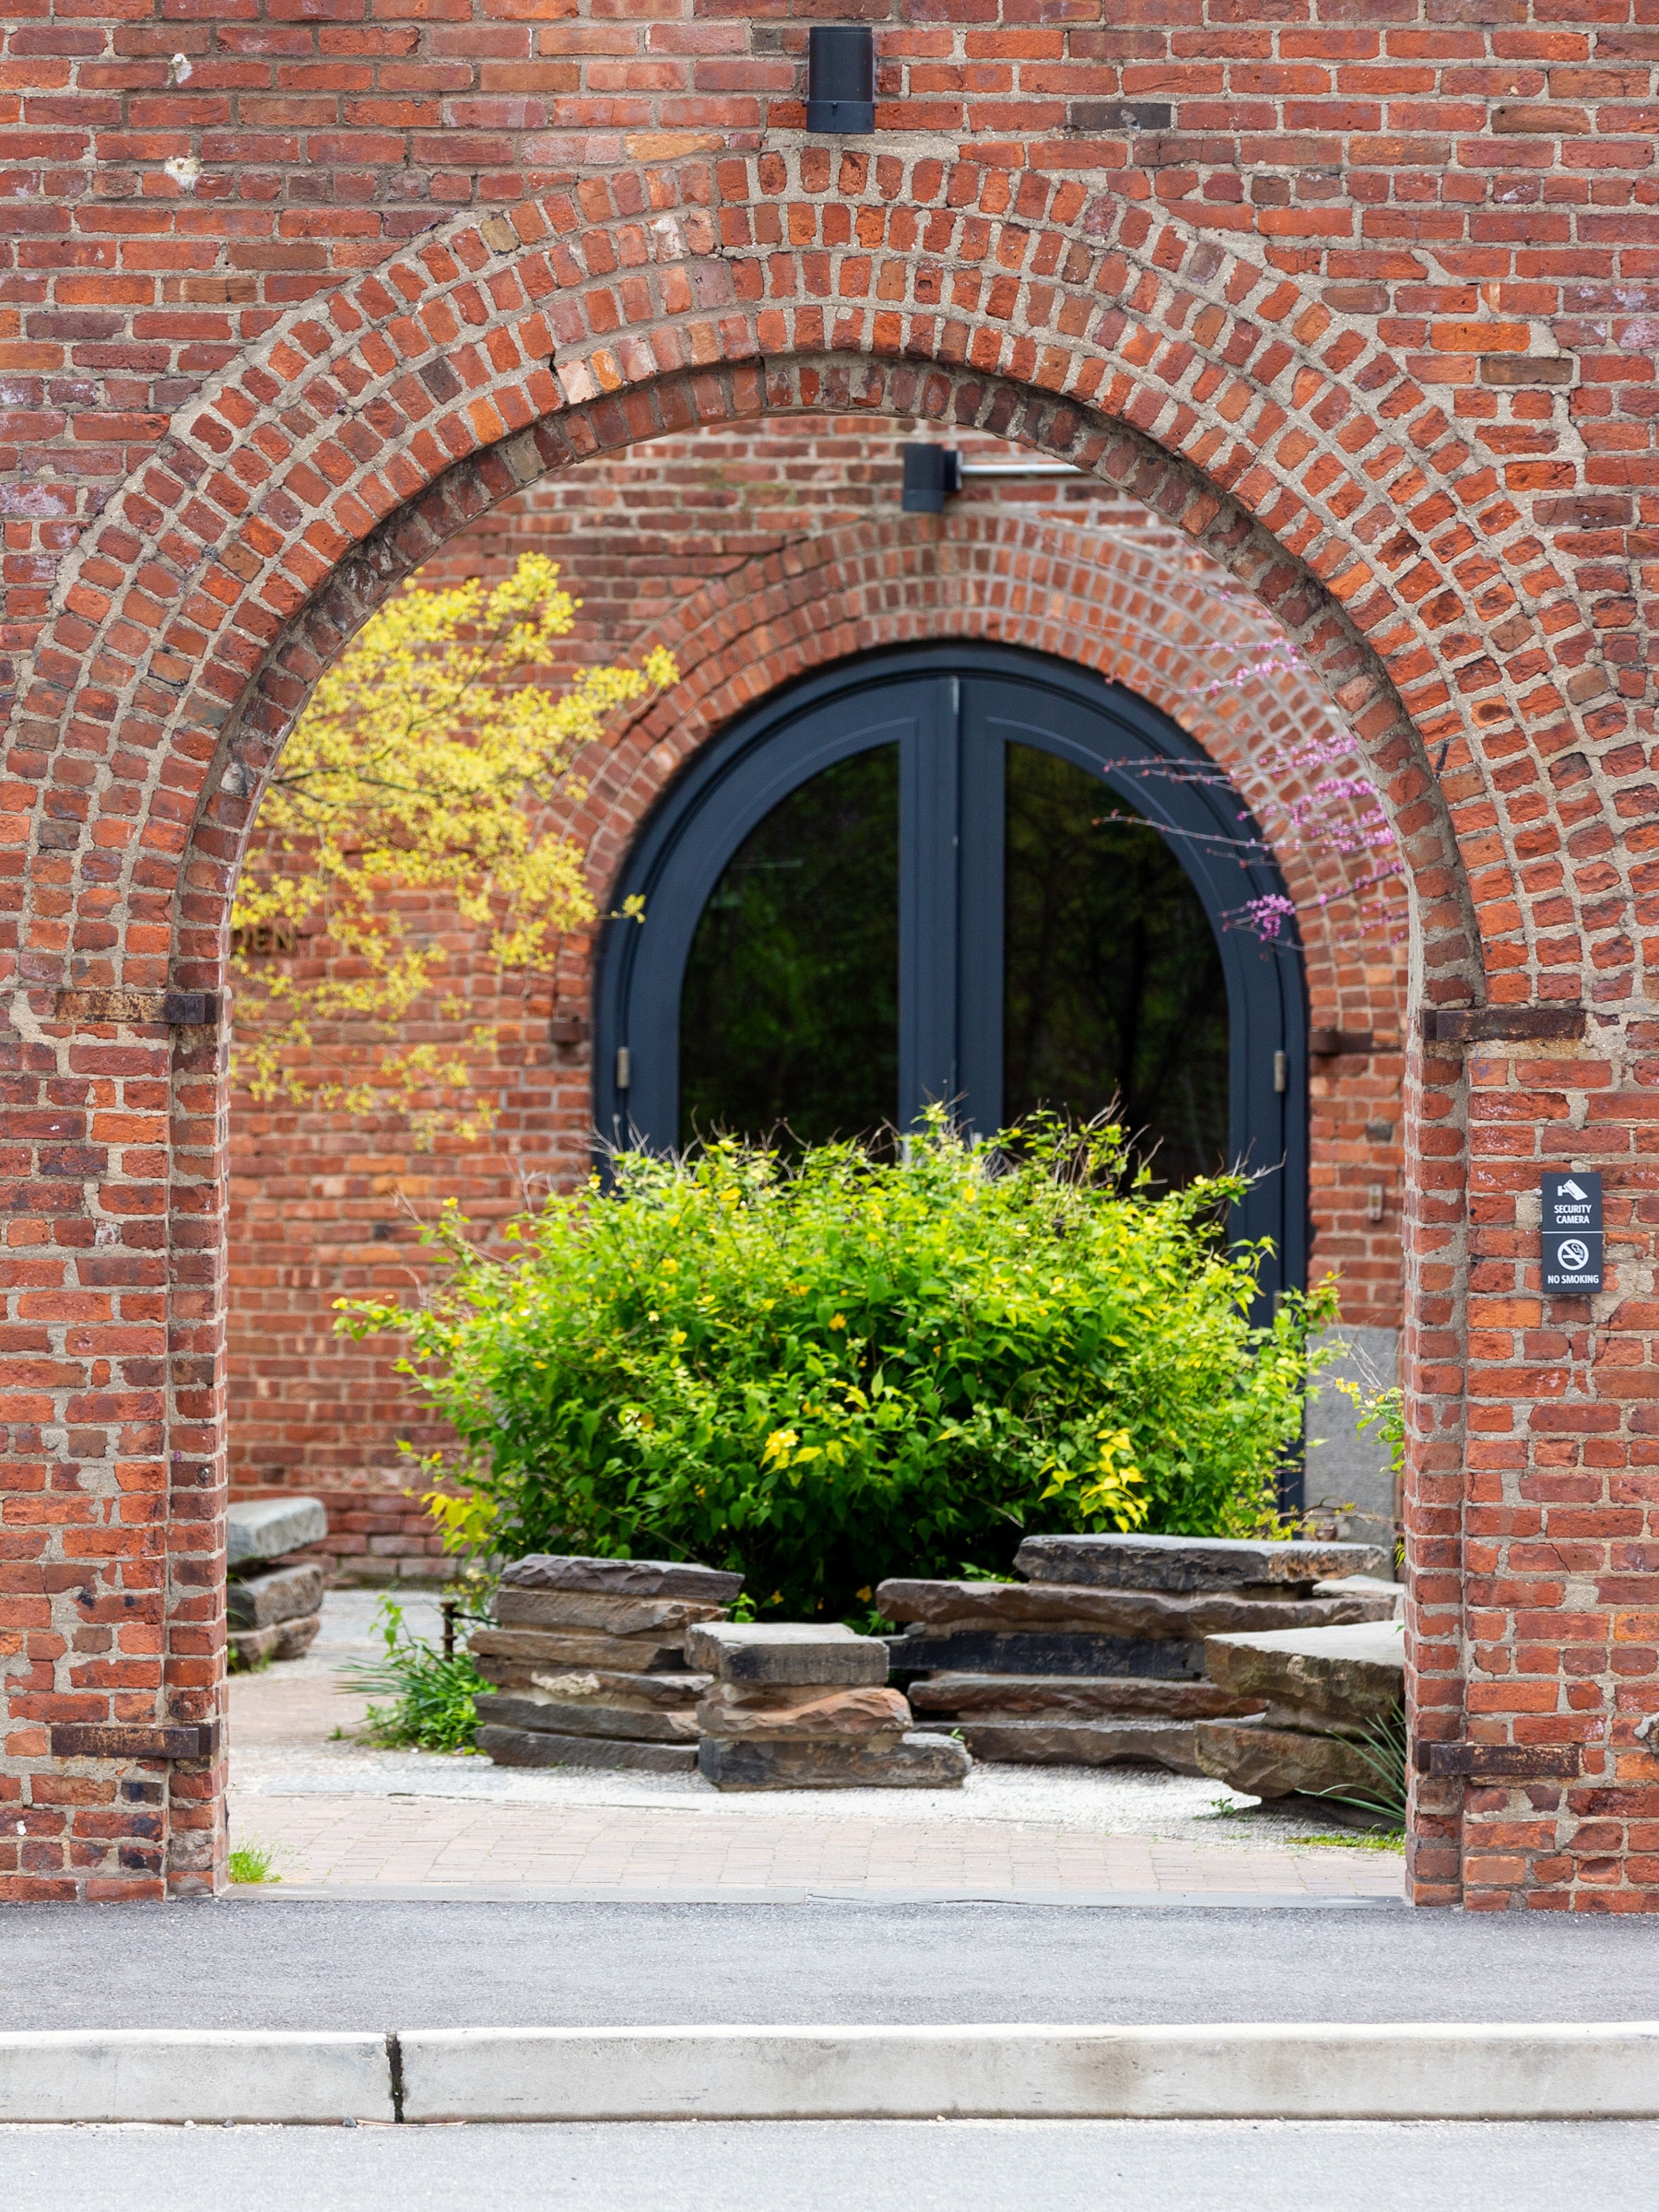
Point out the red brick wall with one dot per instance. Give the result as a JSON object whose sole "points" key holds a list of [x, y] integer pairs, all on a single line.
{"points": [[324, 1207], [1361, 308]]}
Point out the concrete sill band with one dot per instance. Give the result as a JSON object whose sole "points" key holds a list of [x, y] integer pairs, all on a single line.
{"points": [[1234, 2072]]}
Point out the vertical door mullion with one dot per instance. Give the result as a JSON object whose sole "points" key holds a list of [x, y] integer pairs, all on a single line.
{"points": [[928, 803], [980, 919]]}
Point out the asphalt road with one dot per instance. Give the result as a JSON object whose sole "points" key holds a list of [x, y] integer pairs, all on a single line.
{"points": [[807, 2166], [260, 1963]]}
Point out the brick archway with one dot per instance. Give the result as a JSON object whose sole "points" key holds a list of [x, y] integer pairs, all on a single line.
{"points": [[1118, 602], [352, 441]]}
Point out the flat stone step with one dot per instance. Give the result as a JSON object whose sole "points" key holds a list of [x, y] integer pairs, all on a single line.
{"points": [[1283, 1762], [1041, 1652], [916, 1761], [262, 1601], [545, 1715], [269, 1528], [622, 1578], [550, 1650], [786, 1652], [1341, 1679], [537, 1747], [1076, 1743], [599, 1612], [284, 1640], [1075, 1697], [1190, 1563], [1148, 1615]]}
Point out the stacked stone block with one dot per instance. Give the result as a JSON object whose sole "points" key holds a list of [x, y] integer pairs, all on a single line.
{"points": [[588, 1661], [1099, 1655], [273, 1612], [797, 1706], [1320, 1696]]}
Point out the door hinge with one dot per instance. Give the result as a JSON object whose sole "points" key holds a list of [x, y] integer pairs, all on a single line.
{"points": [[624, 1067], [1281, 1071]]}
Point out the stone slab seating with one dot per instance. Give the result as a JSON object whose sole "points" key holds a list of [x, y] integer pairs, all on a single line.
{"points": [[1107, 1637], [588, 1664], [1319, 1692], [1187, 1563], [269, 1528], [273, 1615], [804, 1706]]}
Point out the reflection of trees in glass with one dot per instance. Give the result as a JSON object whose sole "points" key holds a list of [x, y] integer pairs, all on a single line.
{"points": [[1113, 988], [790, 1009]]}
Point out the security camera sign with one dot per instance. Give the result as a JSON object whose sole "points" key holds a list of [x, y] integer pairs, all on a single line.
{"points": [[1572, 1232]]}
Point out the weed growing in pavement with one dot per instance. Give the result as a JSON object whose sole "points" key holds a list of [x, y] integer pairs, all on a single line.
{"points": [[253, 1862]]}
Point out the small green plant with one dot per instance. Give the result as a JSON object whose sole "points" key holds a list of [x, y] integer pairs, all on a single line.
{"points": [[1223, 1808], [432, 1707], [253, 1862], [1384, 1748], [1384, 1409]]}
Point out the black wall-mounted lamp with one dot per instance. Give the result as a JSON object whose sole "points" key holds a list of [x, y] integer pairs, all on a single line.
{"points": [[840, 77], [933, 474]]}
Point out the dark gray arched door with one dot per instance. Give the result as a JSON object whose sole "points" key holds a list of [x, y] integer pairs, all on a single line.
{"points": [[898, 882]]}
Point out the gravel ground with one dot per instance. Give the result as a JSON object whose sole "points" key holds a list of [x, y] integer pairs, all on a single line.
{"points": [[281, 1747]]}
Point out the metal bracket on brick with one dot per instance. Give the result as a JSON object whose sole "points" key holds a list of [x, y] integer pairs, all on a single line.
{"points": [[96, 1739], [180, 1009], [1498, 1762]]}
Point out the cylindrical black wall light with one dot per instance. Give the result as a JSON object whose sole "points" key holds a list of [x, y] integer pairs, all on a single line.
{"points": [[933, 474], [840, 77]]}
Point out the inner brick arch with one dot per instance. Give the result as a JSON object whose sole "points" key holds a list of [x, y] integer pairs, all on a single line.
{"points": [[237, 562]]}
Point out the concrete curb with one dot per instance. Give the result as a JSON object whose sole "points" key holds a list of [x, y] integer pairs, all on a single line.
{"points": [[201, 2075], [597, 1893], [1233, 2072], [1236, 2072]]}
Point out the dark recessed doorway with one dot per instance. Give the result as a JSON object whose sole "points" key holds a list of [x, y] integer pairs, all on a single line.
{"points": [[903, 882]]}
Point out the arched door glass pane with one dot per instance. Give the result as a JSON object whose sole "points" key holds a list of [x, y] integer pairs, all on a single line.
{"points": [[789, 1013], [1112, 984]]}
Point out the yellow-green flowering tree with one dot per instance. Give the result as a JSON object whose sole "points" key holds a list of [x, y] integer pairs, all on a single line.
{"points": [[424, 761]]}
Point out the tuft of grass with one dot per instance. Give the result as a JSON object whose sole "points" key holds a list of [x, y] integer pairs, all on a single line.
{"points": [[1357, 1840], [432, 1697], [1384, 1750], [253, 1862]]}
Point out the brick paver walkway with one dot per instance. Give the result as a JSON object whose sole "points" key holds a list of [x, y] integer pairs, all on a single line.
{"points": [[425, 1842]]}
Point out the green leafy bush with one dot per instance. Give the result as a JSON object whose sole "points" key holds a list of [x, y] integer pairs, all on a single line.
{"points": [[432, 1707], [847, 1368]]}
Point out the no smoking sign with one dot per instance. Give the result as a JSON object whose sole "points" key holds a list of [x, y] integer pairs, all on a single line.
{"points": [[1572, 1232]]}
